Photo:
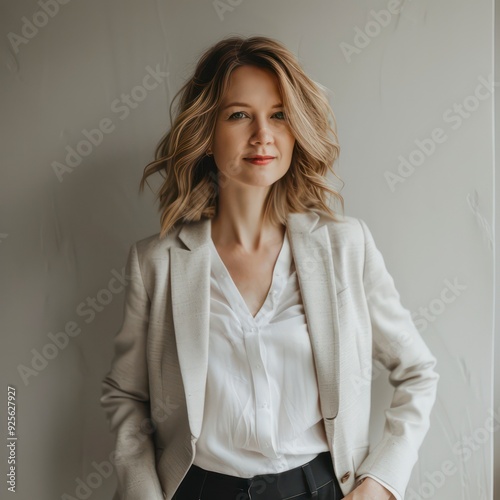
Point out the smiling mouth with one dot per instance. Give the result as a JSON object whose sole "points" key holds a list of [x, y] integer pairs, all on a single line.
{"points": [[260, 158], [263, 160]]}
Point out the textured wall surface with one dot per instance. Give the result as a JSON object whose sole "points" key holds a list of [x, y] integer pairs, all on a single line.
{"points": [[85, 90]]}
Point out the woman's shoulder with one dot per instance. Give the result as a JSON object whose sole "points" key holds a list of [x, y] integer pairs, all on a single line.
{"points": [[155, 246], [346, 230]]}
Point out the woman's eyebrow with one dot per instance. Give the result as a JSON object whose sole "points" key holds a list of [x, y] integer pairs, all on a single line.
{"points": [[244, 105]]}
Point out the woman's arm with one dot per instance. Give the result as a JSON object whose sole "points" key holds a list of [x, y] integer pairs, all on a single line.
{"points": [[125, 395], [397, 344]]}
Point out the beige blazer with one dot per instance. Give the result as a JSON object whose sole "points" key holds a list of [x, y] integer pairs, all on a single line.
{"points": [[153, 395]]}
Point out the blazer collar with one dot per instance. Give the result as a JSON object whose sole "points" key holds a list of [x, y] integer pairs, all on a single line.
{"points": [[195, 234], [190, 294]]}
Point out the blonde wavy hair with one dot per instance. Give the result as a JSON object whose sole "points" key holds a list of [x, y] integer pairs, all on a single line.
{"points": [[190, 188]]}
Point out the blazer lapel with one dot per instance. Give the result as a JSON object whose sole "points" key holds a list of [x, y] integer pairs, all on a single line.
{"points": [[190, 279], [190, 292], [312, 253]]}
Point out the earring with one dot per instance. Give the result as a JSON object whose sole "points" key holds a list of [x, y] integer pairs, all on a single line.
{"points": [[209, 152]]}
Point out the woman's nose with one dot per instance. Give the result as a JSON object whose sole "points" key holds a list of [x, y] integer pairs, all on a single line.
{"points": [[262, 135]]}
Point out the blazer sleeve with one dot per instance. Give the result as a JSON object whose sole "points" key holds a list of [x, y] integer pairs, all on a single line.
{"points": [[125, 395], [398, 345]]}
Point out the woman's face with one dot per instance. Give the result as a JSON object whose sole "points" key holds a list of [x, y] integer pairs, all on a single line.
{"points": [[251, 122]]}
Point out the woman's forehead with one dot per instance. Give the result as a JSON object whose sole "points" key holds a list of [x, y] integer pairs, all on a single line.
{"points": [[250, 81]]}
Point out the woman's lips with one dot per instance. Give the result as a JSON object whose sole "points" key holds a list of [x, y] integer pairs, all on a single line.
{"points": [[259, 161]]}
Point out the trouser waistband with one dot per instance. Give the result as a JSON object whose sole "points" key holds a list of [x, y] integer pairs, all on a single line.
{"points": [[304, 479]]}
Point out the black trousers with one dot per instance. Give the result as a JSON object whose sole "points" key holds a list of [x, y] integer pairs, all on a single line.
{"points": [[315, 479]]}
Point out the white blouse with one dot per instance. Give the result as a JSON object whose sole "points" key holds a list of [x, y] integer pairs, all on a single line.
{"points": [[262, 412]]}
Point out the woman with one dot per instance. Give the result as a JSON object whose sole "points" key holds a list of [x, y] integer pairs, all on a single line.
{"points": [[243, 365]]}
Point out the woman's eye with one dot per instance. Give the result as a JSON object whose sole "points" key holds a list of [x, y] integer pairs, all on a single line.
{"points": [[232, 117]]}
